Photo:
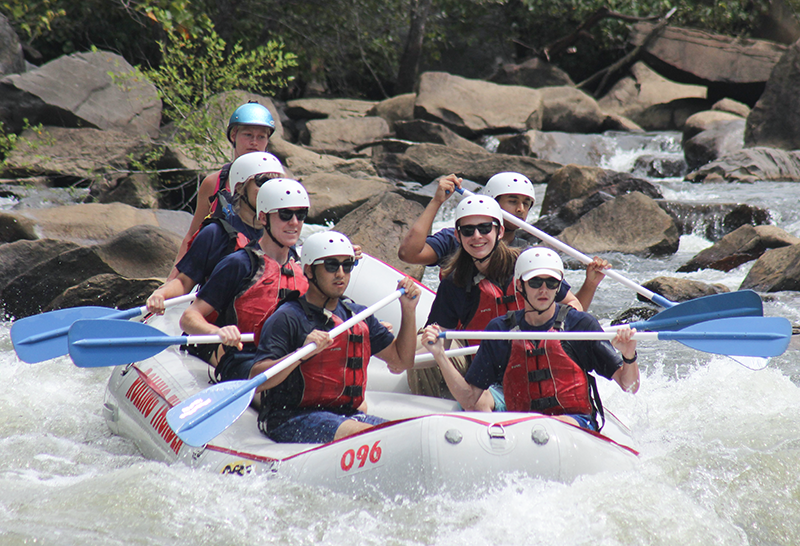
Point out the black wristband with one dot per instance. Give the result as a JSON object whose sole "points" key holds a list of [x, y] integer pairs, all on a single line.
{"points": [[630, 360]]}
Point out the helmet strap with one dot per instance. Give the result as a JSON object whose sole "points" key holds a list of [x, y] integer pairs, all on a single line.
{"points": [[271, 236], [313, 280]]}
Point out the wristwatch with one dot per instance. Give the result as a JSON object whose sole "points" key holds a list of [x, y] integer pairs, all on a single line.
{"points": [[630, 360]]}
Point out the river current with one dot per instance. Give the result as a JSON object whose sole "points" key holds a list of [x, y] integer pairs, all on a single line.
{"points": [[719, 443]]}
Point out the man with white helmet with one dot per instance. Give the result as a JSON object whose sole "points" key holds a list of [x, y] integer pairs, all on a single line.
{"points": [[220, 236], [247, 285], [321, 398], [550, 377], [249, 129]]}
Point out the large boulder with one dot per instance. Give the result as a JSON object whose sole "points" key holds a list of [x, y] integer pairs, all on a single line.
{"points": [[303, 162], [137, 190], [96, 89], [108, 290], [394, 109], [425, 131], [713, 220], [721, 139], [474, 107], [750, 165], [328, 108], [379, 226], [742, 245], [24, 256], [777, 270], [343, 135], [12, 61], [425, 162], [570, 110], [534, 72], [678, 290], [705, 120], [775, 121], [334, 195], [632, 223]]}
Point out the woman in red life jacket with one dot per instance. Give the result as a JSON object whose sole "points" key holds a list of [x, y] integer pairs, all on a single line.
{"points": [[220, 236], [249, 129], [321, 398], [247, 285], [550, 377]]}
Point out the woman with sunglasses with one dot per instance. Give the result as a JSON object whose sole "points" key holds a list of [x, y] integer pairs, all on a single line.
{"points": [[220, 236], [249, 129], [321, 398], [550, 377], [247, 285]]}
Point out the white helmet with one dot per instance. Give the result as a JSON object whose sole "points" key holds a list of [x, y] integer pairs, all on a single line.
{"points": [[505, 183], [250, 165], [323, 245], [281, 193], [538, 260], [479, 205]]}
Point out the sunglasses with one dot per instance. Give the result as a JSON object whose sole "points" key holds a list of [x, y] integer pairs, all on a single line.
{"points": [[286, 214], [263, 177], [332, 265], [468, 230], [549, 282]]}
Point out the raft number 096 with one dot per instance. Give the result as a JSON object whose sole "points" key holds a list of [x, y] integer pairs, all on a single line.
{"points": [[362, 454]]}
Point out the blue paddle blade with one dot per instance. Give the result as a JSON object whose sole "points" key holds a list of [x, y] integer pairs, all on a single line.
{"points": [[109, 342], [743, 303], [738, 336], [41, 337], [219, 406]]}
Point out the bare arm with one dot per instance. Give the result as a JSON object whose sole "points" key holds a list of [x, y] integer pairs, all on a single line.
{"points": [[399, 356], [322, 340], [627, 377], [594, 275], [193, 321], [172, 289], [571, 300], [413, 249]]}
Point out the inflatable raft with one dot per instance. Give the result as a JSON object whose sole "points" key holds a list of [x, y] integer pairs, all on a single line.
{"points": [[428, 446]]}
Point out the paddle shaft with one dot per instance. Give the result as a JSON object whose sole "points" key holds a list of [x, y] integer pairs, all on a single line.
{"points": [[299, 354], [424, 358], [121, 315], [583, 258], [155, 341], [638, 336]]}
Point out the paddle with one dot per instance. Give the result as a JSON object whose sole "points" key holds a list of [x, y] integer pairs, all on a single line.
{"points": [[729, 304], [739, 336], [108, 342], [41, 337], [201, 417], [427, 358]]}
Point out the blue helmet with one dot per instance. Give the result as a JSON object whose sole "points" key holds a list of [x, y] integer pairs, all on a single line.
{"points": [[251, 113]]}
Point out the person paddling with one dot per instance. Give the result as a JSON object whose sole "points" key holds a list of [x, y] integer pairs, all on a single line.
{"points": [[321, 398], [550, 377], [246, 286], [217, 236], [249, 129]]}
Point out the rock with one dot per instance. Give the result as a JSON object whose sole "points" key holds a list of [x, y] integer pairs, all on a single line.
{"points": [[95, 89], [775, 121], [732, 107], [136, 190], [730, 67], [643, 94], [425, 162], [574, 182], [72, 154], [394, 109], [742, 245], [672, 116], [713, 220], [12, 60], [570, 110], [750, 165], [24, 256], [705, 120], [328, 108], [679, 290], [721, 139], [632, 223], [775, 271], [343, 135], [14, 228], [107, 290], [379, 226], [473, 107], [302, 161], [425, 131], [140, 252], [334, 195], [534, 72], [664, 165]]}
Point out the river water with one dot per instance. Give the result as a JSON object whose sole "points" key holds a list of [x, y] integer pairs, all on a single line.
{"points": [[719, 443]]}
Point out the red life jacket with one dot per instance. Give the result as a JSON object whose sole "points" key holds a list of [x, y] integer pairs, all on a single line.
{"points": [[269, 284], [545, 379], [493, 303], [338, 375], [236, 239]]}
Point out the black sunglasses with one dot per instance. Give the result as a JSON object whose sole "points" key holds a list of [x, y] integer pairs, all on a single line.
{"points": [[550, 282], [263, 177], [286, 214], [332, 265], [468, 230]]}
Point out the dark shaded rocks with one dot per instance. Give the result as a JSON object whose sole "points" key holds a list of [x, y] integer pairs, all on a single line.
{"points": [[740, 246], [750, 165], [534, 72], [776, 270]]}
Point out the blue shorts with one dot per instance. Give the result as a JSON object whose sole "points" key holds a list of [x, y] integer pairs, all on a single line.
{"points": [[316, 427], [585, 421]]}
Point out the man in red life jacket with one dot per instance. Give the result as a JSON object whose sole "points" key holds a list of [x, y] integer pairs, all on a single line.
{"points": [[321, 398], [220, 236], [249, 129], [247, 285], [550, 377]]}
